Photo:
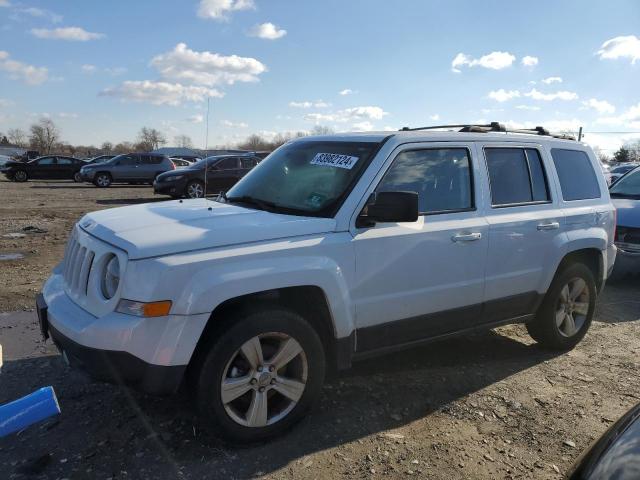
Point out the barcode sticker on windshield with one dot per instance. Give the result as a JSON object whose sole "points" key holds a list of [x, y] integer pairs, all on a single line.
{"points": [[334, 160]]}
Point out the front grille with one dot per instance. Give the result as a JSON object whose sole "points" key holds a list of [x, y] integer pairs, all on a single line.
{"points": [[77, 265]]}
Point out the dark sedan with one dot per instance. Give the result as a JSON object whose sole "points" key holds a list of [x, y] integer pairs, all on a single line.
{"points": [[50, 167], [615, 455], [221, 173]]}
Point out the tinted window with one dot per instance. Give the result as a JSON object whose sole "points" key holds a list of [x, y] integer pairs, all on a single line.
{"points": [[247, 162], [516, 176], [64, 161], [538, 177], [441, 177], [578, 181], [152, 159], [127, 160], [628, 186], [226, 164], [46, 161]]}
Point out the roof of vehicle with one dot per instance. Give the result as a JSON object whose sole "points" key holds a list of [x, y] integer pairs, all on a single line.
{"points": [[494, 132]]}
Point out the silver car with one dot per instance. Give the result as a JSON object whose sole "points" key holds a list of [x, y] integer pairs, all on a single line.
{"points": [[127, 168]]}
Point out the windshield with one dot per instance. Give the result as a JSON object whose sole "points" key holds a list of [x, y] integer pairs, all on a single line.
{"points": [[627, 186], [308, 177]]}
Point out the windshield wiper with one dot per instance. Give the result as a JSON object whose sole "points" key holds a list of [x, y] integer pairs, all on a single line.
{"points": [[261, 204]]}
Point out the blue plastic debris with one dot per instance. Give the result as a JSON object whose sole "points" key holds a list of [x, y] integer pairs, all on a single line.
{"points": [[26, 411]]}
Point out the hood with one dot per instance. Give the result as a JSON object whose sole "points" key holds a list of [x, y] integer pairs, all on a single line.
{"points": [[628, 211], [156, 229]]}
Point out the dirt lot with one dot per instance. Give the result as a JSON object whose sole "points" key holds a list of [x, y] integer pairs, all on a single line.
{"points": [[491, 405]]}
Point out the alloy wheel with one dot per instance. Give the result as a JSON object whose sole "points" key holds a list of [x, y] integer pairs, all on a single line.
{"points": [[77, 177], [103, 181], [20, 176], [195, 190], [264, 380], [572, 307]]}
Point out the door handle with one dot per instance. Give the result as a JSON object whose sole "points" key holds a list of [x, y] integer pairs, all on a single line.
{"points": [[466, 237], [549, 226]]}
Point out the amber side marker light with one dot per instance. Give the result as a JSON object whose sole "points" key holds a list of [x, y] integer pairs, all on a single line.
{"points": [[144, 309]]}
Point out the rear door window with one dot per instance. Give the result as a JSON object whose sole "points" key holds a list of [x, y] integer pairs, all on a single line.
{"points": [[578, 180], [226, 164], [128, 160], [516, 176], [247, 162]]}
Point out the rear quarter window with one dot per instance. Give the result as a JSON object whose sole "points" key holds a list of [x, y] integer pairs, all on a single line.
{"points": [[578, 180]]}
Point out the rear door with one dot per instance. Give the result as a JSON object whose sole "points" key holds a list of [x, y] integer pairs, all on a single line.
{"points": [[65, 167], [246, 164], [222, 175], [525, 228]]}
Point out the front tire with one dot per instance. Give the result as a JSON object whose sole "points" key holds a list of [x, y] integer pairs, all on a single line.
{"points": [[195, 189], [261, 376], [20, 176], [102, 180], [77, 177], [567, 309]]}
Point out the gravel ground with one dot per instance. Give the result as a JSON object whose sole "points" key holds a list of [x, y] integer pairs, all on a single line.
{"points": [[491, 405]]}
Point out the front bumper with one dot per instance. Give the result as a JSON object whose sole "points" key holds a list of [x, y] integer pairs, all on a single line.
{"points": [[627, 260], [150, 354], [174, 189], [87, 175]]}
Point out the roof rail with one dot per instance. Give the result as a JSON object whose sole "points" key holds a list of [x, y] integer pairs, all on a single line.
{"points": [[493, 127]]}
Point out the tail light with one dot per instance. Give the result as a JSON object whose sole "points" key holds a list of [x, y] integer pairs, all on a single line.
{"points": [[173, 166]]}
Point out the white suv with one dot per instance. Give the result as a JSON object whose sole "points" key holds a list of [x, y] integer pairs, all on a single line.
{"points": [[332, 249]]}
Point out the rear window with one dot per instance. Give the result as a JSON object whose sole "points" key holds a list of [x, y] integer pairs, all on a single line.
{"points": [[152, 159], [578, 180]]}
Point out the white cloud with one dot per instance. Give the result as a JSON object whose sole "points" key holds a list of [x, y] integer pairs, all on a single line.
{"points": [[229, 123], [87, 68], [115, 71], [559, 95], [4, 3], [75, 34], [22, 71], [308, 104], [528, 107], [198, 118], [493, 60], [220, 9], [434, 117], [601, 106], [206, 68], [346, 91], [159, 93], [365, 126], [67, 115], [40, 13], [353, 114], [609, 143], [503, 95], [550, 80], [621, 47], [629, 119], [563, 126], [268, 31], [529, 61]]}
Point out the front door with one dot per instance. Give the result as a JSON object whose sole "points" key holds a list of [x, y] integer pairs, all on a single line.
{"points": [[423, 279], [127, 168], [44, 167]]}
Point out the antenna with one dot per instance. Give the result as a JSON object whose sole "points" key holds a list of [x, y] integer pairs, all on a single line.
{"points": [[206, 148]]}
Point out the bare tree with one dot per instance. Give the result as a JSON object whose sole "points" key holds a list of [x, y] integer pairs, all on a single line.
{"points": [[123, 147], [321, 130], [106, 147], [17, 137], [150, 138], [44, 135], [183, 141]]}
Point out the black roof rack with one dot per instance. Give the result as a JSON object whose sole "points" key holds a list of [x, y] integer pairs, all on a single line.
{"points": [[493, 127]]}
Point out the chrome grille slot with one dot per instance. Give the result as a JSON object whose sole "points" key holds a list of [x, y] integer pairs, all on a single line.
{"points": [[77, 267]]}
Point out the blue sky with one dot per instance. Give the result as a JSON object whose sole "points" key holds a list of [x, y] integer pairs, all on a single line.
{"points": [[102, 70]]}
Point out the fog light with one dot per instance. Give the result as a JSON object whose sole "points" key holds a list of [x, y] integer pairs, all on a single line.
{"points": [[144, 309]]}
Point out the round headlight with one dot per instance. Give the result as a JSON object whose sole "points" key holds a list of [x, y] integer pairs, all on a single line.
{"points": [[111, 277]]}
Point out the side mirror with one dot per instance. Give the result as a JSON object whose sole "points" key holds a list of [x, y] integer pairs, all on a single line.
{"points": [[391, 207]]}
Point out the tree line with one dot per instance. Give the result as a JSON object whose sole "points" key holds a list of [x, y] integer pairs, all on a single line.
{"points": [[45, 137]]}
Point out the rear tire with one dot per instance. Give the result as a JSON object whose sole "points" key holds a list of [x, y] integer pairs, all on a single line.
{"points": [[102, 180], [259, 356], [20, 176], [77, 177], [567, 309]]}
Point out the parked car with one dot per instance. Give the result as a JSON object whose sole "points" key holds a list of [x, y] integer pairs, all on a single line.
{"points": [[615, 455], [99, 159], [625, 195], [619, 170], [180, 163], [188, 158], [127, 168], [221, 174], [333, 249], [3, 161], [50, 167]]}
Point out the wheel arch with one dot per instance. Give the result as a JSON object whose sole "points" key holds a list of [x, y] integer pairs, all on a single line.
{"points": [[308, 301], [592, 257]]}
